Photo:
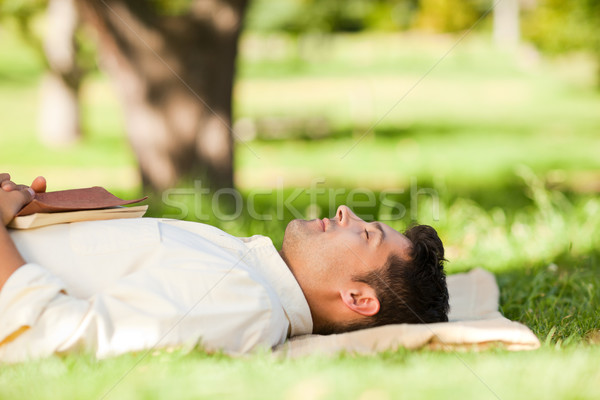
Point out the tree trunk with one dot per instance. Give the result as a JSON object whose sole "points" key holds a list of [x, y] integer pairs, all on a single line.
{"points": [[507, 32], [59, 122], [174, 75]]}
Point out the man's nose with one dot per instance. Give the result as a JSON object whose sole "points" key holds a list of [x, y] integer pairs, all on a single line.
{"points": [[345, 216]]}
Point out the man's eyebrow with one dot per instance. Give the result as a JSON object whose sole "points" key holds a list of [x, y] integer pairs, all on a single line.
{"points": [[380, 229]]}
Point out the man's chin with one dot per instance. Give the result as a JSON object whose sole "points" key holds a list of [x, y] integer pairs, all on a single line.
{"points": [[294, 233], [295, 226]]}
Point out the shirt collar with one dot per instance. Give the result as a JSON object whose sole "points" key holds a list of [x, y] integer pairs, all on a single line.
{"points": [[276, 272]]}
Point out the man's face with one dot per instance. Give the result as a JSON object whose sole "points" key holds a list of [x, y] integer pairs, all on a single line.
{"points": [[325, 254]]}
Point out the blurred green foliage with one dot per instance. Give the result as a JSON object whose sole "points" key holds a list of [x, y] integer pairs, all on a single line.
{"points": [[553, 26], [298, 16], [557, 26], [22, 10], [22, 14], [170, 7], [450, 15], [26, 16]]}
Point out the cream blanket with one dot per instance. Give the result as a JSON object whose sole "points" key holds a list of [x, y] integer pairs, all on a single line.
{"points": [[475, 322]]}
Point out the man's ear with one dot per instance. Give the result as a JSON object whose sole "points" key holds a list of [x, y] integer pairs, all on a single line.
{"points": [[360, 298]]}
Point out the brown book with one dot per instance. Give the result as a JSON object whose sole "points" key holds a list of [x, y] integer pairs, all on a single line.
{"points": [[94, 203]]}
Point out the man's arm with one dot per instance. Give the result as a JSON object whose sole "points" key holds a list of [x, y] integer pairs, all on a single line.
{"points": [[11, 259], [12, 198]]}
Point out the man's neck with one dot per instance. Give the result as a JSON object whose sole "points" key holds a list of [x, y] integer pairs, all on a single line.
{"points": [[282, 255]]}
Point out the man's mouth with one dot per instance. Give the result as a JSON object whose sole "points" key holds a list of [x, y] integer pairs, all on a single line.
{"points": [[322, 224]]}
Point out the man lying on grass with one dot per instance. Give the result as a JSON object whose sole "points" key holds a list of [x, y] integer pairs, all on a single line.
{"points": [[114, 286]]}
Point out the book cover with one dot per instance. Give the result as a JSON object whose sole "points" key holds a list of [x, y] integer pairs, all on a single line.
{"points": [[86, 204], [91, 198]]}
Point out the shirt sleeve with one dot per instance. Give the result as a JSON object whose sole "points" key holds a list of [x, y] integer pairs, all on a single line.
{"points": [[149, 309], [33, 297]]}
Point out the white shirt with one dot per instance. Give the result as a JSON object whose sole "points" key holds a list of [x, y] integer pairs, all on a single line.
{"points": [[116, 286]]}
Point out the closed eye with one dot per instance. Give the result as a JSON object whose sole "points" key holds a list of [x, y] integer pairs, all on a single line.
{"points": [[367, 234]]}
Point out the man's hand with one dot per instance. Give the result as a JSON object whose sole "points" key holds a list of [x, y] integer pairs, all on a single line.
{"points": [[13, 197]]}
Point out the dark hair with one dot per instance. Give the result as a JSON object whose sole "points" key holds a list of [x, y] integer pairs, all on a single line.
{"points": [[410, 289]]}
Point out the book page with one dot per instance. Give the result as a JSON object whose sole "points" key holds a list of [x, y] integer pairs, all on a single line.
{"points": [[44, 219]]}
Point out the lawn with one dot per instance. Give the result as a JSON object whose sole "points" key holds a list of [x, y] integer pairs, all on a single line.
{"points": [[503, 146]]}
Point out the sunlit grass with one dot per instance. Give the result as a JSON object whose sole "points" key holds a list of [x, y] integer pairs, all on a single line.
{"points": [[548, 373]]}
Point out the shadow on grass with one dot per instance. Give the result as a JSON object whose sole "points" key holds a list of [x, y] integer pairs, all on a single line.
{"points": [[304, 128], [368, 204]]}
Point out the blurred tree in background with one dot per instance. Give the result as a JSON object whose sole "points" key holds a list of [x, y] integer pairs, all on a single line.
{"points": [[59, 122], [172, 63], [58, 49]]}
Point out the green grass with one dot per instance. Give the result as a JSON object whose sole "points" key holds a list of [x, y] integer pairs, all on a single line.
{"points": [[508, 143], [548, 373]]}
